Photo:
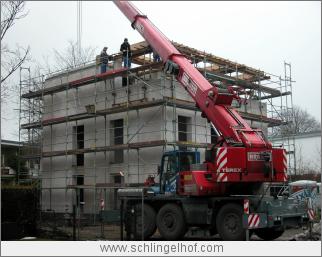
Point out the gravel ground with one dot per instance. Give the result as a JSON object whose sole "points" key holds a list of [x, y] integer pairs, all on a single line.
{"points": [[315, 234]]}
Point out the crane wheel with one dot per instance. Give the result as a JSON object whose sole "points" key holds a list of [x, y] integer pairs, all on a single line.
{"points": [[171, 222], [149, 218], [229, 222], [269, 233]]}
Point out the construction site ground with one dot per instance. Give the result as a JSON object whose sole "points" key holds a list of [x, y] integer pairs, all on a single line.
{"points": [[112, 233]]}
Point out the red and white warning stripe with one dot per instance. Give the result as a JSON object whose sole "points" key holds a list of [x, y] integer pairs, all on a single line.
{"points": [[221, 158], [310, 213], [246, 206], [285, 165], [253, 220], [221, 163], [222, 177]]}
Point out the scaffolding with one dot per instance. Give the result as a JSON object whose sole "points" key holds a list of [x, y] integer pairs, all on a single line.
{"points": [[30, 111], [54, 107]]}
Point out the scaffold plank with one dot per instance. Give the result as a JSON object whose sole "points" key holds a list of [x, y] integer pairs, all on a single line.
{"points": [[136, 145], [136, 105], [143, 48], [88, 80]]}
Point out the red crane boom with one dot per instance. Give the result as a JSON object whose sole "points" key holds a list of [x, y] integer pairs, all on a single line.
{"points": [[243, 155], [214, 103]]}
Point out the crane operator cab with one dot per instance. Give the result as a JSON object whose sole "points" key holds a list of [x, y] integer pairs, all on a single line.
{"points": [[172, 164]]}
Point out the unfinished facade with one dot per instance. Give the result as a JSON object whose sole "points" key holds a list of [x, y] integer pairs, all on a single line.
{"points": [[97, 133]]}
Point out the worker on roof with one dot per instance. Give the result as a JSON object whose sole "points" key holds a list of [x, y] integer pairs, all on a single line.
{"points": [[104, 59], [126, 53]]}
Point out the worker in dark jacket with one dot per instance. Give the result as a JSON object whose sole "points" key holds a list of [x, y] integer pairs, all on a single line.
{"points": [[156, 56], [104, 60], [126, 53]]}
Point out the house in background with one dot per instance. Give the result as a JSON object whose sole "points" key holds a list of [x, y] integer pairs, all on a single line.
{"points": [[9, 158], [307, 152], [13, 163]]}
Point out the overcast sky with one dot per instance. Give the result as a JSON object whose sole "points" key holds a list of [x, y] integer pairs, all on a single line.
{"points": [[259, 34]]}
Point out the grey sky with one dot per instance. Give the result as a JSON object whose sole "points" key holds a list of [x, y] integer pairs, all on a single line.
{"points": [[259, 34]]}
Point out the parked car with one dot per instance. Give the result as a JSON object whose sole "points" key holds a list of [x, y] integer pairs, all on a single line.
{"points": [[302, 189]]}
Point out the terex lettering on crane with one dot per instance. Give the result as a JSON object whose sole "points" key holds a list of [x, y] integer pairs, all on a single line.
{"points": [[190, 85]]}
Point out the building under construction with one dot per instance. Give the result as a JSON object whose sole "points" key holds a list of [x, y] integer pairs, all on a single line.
{"points": [[92, 132]]}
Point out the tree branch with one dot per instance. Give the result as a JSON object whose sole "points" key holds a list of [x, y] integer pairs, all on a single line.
{"points": [[10, 12], [13, 63]]}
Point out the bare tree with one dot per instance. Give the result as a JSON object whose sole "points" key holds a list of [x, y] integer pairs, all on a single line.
{"points": [[297, 121], [71, 56], [11, 59]]}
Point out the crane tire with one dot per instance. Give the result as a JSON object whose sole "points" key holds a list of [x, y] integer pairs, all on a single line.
{"points": [[268, 234], [229, 222], [149, 219], [171, 222]]}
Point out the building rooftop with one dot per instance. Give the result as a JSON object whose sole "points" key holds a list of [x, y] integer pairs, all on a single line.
{"points": [[5, 142], [215, 68]]}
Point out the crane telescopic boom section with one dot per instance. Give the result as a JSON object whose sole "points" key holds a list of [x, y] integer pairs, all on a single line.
{"points": [[215, 104]]}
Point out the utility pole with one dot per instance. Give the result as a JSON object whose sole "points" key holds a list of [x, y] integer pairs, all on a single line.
{"points": [[79, 27]]}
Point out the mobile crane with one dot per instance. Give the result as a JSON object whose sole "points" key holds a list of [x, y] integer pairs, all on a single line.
{"points": [[220, 194]]}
